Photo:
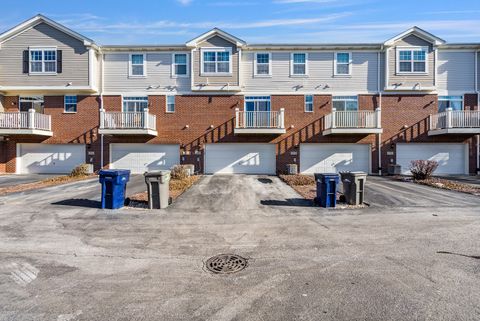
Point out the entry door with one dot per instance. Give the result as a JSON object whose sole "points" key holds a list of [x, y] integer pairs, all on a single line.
{"points": [[258, 112], [36, 103]]}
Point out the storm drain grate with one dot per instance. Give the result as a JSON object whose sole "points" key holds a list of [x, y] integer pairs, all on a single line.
{"points": [[225, 264]]}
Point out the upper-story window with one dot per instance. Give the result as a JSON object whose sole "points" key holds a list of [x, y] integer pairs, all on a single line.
{"points": [[343, 63], [345, 103], [137, 66], [216, 61], [308, 103], [299, 64], [411, 60], [263, 64], [180, 64], [70, 104], [43, 60], [453, 102], [135, 104]]}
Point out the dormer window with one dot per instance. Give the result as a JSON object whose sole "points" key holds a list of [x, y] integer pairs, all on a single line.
{"points": [[411, 60], [216, 61], [43, 60]]}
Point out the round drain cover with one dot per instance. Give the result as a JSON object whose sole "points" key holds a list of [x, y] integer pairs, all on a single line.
{"points": [[226, 264]]}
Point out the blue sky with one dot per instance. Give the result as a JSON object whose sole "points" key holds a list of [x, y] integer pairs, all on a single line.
{"points": [[267, 21]]}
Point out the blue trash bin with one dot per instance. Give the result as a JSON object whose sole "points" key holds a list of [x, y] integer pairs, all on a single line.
{"points": [[327, 189], [114, 185]]}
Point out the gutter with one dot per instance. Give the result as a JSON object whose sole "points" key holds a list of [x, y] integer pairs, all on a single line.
{"points": [[379, 148], [102, 80], [478, 108]]}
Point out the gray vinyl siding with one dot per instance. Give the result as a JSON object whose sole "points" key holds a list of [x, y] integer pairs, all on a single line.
{"points": [[216, 41], [455, 72], [75, 58], [321, 73], [408, 81], [158, 74]]}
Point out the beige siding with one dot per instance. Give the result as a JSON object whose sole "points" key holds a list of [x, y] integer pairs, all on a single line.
{"points": [[158, 75], [409, 81], [216, 41], [455, 72], [75, 58], [321, 73]]}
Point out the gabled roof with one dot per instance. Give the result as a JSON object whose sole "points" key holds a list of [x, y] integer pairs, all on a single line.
{"points": [[216, 32], [36, 20], [419, 32]]}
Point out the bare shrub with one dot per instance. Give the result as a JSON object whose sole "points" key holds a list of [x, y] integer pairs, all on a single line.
{"points": [[80, 170], [422, 169], [179, 172]]}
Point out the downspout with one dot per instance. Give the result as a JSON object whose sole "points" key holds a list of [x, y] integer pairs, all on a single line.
{"points": [[101, 106], [379, 148], [478, 108]]}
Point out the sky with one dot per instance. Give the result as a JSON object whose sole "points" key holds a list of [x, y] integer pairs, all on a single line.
{"points": [[255, 21]]}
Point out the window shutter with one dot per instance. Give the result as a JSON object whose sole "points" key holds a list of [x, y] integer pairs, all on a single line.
{"points": [[59, 61], [26, 62]]}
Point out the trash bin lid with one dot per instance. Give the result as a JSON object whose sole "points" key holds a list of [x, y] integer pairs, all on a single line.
{"points": [[358, 173], [114, 172], [156, 173]]}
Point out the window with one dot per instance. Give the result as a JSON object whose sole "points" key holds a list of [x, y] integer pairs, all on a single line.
{"points": [[180, 64], [216, 61], [170, 104], [70, 104], [43, 60], [257, 111], [135, 104], [345, 103], [137, 65], [308, 103], [36, 103], [343, 63], [262, 64], [299, 64], [412, 60], [454, 102]]}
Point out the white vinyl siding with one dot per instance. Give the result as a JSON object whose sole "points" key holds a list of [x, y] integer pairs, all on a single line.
{"points": [[456, 72]]}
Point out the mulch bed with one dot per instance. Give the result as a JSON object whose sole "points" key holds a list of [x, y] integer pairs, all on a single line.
{"points": [[53, 181], [442, 183]]}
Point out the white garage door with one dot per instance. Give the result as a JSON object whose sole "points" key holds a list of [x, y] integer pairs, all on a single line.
{"points": [[333, 158], [451, 158], [49, 158], [240, 158], [140, 158]]}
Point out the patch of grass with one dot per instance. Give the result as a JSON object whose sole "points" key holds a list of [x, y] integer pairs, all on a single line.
{"points": [[298, 180]]}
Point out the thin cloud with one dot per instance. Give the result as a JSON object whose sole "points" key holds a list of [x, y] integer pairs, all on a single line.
{"points": [[453, 12], [184, 2], [302, 1]]}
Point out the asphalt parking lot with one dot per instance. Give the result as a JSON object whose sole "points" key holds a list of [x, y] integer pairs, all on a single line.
{"points": [[11, 180], [412, 255]]}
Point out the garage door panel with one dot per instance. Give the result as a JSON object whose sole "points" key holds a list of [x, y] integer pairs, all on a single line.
{"points": [[49, 158], [139, 158], [331, 158], [240, 159], [451, 158]]}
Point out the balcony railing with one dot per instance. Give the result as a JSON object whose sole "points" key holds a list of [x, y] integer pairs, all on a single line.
{"points": [[353, 122], [128, 122], [455, 119], [260, 122], [29, 122]]}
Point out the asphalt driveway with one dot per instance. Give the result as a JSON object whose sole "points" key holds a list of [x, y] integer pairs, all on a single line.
{"points": [[410, 261], [12, 180]]}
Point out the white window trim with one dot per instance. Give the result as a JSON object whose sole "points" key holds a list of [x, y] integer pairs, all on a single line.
{"points": [[174, 75], [130, 75], [350, 61], [463, 99], [42, 48], [174, 104], [130, 96], [411, 48], [345, 100], [216, 49], [255, 70], [305, 103], [65, 105], [306, 65]]}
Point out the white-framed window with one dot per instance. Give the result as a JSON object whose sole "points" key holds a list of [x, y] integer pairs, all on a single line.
{"points": [[135, 104], [43, 60], [180, 65], [411, 60], [299, 64], [308, 103], [345, 103], [70, 104], [343, 63], [34, 102], [453, 102], [263, 64], [137, 65], [216, 61], [170, 104]]}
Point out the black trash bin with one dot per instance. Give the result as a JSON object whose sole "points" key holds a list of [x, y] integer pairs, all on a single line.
{"points": [[114, 185]]}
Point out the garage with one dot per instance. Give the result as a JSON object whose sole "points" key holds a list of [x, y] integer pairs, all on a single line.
{"points": [[451, 158], [334, 158], [140, 158], [49, 158], [240, 158]]}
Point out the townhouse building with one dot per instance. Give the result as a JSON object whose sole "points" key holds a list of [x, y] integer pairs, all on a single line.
{"points": [[228, 106]]}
